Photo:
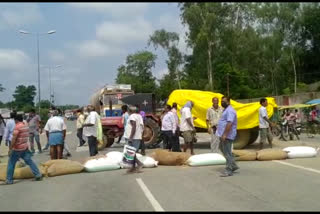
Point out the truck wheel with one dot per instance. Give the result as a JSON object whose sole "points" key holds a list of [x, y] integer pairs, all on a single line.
{"points": [[151, 133], [242, 139]]}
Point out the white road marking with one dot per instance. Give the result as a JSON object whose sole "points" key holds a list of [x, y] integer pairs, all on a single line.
{"points": [[146, 191], [296, 166]]}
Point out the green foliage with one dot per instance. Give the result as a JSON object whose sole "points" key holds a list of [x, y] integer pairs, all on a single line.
{"points": [[138, 72], [24, 95], [43, 104]]}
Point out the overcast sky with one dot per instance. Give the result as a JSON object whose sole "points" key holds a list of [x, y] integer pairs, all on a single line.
{"points": [[91, 41]]}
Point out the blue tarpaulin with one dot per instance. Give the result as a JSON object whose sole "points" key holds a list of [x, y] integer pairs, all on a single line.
{"points": [[315, 101]]}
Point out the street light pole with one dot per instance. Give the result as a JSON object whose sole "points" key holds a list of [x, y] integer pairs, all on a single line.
{"points": [[38, 73], [50, 87], [38, 53]]}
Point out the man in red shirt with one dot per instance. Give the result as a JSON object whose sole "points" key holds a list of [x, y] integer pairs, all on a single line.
{"points": [[19, 149]]}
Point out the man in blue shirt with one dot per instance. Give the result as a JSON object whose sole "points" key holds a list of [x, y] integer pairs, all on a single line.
{"points": [[227, 132]]}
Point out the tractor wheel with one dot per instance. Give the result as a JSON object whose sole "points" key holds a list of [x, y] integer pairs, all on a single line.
{"points": [[151, 133], [254, 133], [242, 139], [109, 141]]}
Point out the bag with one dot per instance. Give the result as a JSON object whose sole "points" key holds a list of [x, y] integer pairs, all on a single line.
{"points": [[147, 162], [271, 154], [129, 153], [64, 168], [19, 172], [164, 157], [101, 164], [206, 159], [116, 156], [300, 152], [244, 155]]}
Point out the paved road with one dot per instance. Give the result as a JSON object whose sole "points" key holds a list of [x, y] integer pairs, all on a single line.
{"points": [[258, 186]]}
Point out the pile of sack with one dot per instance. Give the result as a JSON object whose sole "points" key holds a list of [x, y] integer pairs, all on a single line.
{"points": [[181, 158], [58, 167], [116, 160], [275, 154]]}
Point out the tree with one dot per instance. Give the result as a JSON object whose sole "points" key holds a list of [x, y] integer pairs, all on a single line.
{"points": [[44, 104], [24, 95], [138, 72], [169, 41], [205, 21]]}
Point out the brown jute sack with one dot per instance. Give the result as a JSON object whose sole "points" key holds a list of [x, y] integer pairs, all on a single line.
{"points": [[50, 162], [170, 158], [71, 167], [271, 154], [19, 173], [244, 155]]}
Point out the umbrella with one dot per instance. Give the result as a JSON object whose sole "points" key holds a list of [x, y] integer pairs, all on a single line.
{"points": [[315, 101]]}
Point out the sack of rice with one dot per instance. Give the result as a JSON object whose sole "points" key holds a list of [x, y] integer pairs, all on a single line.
{"points": [[271, 154], [300, 152], [116, 156], [244, 155], [64, 168], [101, 164], [148, 162], [59, 161], [206, 159], [167, 158]]}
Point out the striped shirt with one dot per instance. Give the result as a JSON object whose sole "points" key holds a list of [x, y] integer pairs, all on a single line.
{"points": [[21, 132]]}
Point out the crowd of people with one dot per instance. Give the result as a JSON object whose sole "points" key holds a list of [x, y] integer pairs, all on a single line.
{"points": [[221, 123]]}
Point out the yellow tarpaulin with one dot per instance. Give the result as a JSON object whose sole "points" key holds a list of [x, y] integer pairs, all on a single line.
{"points": [[296, 106], [248, 114]]}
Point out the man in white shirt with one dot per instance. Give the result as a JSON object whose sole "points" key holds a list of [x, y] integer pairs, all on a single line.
{"points": [[213, 116], [133, 134], [186, 126], [90, 127], [8, 131], [168, 128], [56, 133], [264, 124]]}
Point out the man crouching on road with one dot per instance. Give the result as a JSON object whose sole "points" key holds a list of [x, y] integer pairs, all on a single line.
{"points": [[19, 149], [227, 131]]}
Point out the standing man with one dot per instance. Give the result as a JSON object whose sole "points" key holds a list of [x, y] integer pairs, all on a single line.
{"points": [[213, 115], [187, 127], [34, 128], [2, 127], [90, 127], [168, 129], [177, 133], [19, 149], [8, 131], [227, 132], [80, 122], [65, 145], [124, 119], [56, 133], [133, 134], [264, 124], [143, 115]]}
